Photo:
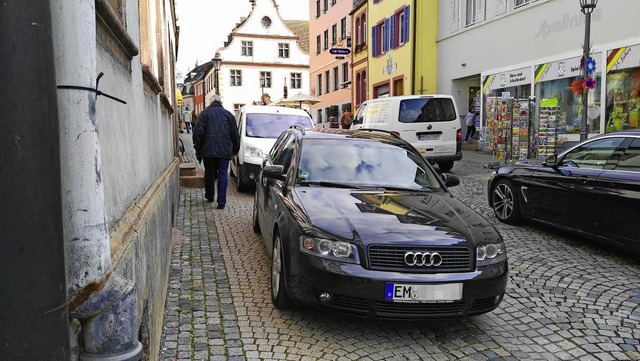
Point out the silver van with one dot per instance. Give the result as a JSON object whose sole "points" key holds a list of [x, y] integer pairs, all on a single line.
{"points": [[259, 126], [429, 122]]}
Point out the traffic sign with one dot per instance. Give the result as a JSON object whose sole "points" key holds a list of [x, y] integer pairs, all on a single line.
{"points": [[340, 51], [339, 57]]}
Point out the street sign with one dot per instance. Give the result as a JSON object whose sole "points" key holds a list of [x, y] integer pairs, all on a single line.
{"points": [[340, 51], [339, 57]]}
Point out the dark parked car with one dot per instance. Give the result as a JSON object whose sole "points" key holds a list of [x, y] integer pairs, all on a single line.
{"points": [[358, 222], [592, 189]]}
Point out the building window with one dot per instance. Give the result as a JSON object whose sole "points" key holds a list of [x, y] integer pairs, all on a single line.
{"points": [[283, 50], [358, 37], [520, 2], [319, 120], [326, 5], [327, 81], [333, 2], [318, 44], [343, 28], [236, 77], [296, 80], [334, 34], [336, 81], [326, 39], [319, 84], [358, 94], [399, 28], [317, 9], [345, 73], [247, 48], [266, 76]]}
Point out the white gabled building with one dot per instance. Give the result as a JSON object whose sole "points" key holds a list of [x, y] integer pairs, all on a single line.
{"points": [[262, 46]]}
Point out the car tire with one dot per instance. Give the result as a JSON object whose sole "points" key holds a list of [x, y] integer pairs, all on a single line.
{"points": [[254, 216], [240, 186], [279, 295], [445, 166], [505, 202]]}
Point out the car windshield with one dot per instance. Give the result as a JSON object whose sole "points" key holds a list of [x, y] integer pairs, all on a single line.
{"points": [[363, 163], [271, 125]]}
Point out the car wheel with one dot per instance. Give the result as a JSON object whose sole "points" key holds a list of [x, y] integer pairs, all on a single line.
{"points": [[240, 186], [256, 224], [445, 166], [279, 295], [505, 202]]}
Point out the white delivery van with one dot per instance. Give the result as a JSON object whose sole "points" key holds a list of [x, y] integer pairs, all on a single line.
{"points": [[429, 122], [259, 126]]}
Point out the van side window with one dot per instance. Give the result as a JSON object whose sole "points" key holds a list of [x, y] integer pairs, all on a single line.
{"points": [[360, 116], [426, 110]]}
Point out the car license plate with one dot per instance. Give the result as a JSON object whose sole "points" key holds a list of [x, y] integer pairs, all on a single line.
{"points": [[428, 137], [400, 292]]}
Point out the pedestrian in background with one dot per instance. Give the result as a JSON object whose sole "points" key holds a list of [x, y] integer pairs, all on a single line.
{"points": [[186, 116], [216, 140], [346, 119], [470, 122], [265, 99]]}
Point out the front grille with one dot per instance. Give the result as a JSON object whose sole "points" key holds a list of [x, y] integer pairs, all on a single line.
{"points": [[482, 305], [416, 310], [351, 304], [454, 259]]}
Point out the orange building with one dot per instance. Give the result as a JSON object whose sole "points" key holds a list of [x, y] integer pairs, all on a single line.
{"points": [[330, 58], [360, 57]]}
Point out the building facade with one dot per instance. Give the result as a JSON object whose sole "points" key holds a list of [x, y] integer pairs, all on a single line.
{"points": [[263, 55], [360, 41], [330, 58], [112, 189], [532, 50]]}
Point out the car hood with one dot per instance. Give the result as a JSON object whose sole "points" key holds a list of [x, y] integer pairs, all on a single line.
{"points": [[393, 217]]}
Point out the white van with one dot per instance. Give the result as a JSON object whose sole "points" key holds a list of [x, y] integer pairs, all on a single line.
{"points": [[259, 126], [429, 122]]}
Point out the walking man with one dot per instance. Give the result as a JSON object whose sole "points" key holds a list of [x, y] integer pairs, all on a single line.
{"points": [[216, 140], [186, 115]]}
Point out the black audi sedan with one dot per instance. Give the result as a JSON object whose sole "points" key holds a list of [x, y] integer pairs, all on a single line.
{"points": [[357, 221], [591, 189]]}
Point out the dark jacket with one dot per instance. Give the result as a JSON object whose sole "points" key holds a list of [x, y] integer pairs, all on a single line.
{"points": [[216, 133]]}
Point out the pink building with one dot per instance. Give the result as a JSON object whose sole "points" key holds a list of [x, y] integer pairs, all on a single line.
{"points": [[330, 77]]}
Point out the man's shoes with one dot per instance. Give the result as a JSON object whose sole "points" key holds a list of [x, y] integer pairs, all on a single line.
{"points": [[220, 206], [210, 200]]}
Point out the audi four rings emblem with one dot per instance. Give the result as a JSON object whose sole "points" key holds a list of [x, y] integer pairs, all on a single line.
{"points": [[423, 259]]}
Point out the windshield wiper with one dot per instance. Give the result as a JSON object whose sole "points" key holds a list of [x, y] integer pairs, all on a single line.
{"points": [[329, 184], [404, 189]]}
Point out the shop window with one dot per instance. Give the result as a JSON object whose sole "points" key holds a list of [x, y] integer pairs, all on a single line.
{"points": [[623, 100]]}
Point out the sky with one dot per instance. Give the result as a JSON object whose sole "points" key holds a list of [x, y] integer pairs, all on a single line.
{"points": [[205, 25]]}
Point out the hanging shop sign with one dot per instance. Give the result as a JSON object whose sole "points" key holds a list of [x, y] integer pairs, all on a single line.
{"points": [[623, 58], [566, 68], [507, 79]]}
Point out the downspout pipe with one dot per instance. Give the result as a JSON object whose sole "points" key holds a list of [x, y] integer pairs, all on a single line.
{"points": [[103, 302], [34, 321]]}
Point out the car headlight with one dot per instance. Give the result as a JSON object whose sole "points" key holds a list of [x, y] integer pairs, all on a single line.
{"points": [[251, 151], [491, 253], [330, 249]]}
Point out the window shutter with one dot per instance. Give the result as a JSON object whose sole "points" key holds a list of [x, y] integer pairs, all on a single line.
{"points": [[392, 32], [407, 22], [374, 40], [480, 10], [453, 6]]}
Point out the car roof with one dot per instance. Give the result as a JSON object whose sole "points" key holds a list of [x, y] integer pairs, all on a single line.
{"points": [[272, 109], [363, 134], [404, 97]]}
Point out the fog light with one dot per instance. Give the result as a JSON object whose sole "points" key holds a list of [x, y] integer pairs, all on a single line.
{"points": [[498, 299], [325, 297], [252, 176]]}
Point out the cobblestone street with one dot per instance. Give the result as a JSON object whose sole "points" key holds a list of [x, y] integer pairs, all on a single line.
{"points": [[567, 298]]}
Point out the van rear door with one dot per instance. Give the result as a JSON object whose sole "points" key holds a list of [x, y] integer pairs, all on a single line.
{"points": [[430, 124]]}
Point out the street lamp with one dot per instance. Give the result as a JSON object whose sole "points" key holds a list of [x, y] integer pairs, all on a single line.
{"points": [[587, 8], [262, 82], [217, 62]]}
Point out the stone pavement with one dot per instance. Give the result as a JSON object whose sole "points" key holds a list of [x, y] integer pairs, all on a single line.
{"points": [[567, 299]]}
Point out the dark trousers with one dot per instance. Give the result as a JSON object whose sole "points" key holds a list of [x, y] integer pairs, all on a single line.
{"points": [[471, 131], [215, 169]]}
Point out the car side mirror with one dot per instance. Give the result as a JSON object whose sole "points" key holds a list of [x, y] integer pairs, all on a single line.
{"points": [[551, 161], [274, 172], [450, 180]]}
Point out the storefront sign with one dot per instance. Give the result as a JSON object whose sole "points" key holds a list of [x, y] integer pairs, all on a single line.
{"points": [[507, 79], [623, 58], [567, 21], [566, 68]]}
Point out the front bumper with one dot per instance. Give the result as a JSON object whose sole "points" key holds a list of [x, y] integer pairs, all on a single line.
{"points": [[361, 292], [249, 173]]}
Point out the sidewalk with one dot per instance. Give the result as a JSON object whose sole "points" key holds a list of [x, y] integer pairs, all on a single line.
{"points": [[199, 317]]}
